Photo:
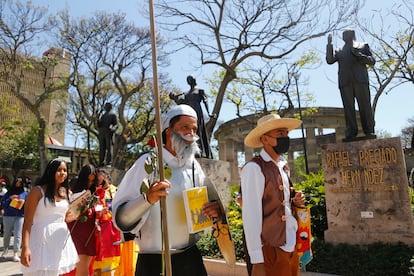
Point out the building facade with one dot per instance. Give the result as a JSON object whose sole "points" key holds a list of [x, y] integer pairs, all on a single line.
{"points": [[34, 79]]}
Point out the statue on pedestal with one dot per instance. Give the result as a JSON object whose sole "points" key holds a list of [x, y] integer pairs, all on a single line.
{"points": [[353, 59], [193, 98], [107, 125]]}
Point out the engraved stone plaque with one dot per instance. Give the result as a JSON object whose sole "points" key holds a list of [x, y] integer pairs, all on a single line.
{"points": [[367, 196]]}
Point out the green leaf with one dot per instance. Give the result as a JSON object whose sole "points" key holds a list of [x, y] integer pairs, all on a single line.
{"points": [[148, 165], [167, 172], [144, 186]]}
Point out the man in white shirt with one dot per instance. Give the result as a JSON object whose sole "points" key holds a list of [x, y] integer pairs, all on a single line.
{"points": [[139, 213], [269, 225]]}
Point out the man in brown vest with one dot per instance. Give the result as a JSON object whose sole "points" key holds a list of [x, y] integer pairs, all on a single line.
{"points": [[268, 221]]}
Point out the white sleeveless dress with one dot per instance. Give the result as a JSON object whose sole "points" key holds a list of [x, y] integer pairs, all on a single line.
{"points": [[53, 251]]}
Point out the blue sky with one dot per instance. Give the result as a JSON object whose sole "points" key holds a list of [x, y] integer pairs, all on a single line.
{"points": [[393, 110]]}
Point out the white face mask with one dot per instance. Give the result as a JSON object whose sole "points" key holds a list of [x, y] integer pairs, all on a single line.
{"points": [[189, 138], [182, 148]]}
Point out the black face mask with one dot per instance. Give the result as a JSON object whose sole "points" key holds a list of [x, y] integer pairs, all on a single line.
{"points": [[282, 146]]}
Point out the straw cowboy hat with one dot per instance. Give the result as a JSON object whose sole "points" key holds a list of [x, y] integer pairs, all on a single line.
{"points": [[266, 124]]}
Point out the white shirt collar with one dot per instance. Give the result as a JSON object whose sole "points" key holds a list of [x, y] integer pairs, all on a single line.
{"points": [[266, 157]]}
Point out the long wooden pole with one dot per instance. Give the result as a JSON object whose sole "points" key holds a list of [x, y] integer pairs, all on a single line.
{"points": [[163, 205]]}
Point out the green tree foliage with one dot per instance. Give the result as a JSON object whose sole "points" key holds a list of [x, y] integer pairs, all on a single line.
{"points": [[18, 146], [300, 168]]}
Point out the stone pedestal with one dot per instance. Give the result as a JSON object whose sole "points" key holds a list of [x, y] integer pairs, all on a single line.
{"points": [[218, 172], [367, 197], [116, 175]]}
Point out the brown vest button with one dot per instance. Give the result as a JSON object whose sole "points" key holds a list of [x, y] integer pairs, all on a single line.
{"points": [[283, 218], [281, 187]]}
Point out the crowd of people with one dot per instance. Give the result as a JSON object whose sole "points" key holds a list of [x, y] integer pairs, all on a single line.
{"points": [[51, 240], [88, 226]]}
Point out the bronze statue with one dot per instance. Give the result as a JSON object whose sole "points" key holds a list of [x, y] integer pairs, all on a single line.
{"points": [[353, 59], [193, 98], [107, 125]]}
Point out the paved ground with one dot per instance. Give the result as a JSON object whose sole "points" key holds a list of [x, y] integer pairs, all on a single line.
{"points": [[7, 266], [10, 268]]}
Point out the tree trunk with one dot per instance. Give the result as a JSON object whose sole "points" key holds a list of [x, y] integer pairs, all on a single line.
{"points": [[228, 77], [412, 140], [41, 144]]}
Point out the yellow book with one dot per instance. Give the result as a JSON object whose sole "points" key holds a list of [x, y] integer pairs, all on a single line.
{"points": [[194, 199], [17, 203]]}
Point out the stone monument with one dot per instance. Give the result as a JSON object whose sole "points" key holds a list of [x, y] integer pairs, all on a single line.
{"points": [[367, 197]]}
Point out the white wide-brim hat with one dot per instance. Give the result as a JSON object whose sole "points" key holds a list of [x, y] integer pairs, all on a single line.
{"points": [[181, 109], [266, 124]]}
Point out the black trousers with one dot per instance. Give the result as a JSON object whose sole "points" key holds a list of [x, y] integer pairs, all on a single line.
{"points": [[189, 262], [105, 147], [360, 92]]}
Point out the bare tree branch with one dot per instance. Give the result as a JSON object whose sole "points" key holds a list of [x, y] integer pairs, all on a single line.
{"points": [[227, 34]]}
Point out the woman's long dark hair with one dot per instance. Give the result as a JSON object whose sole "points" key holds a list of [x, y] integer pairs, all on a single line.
{"points": [[14, 190], [48, 179], [83, 179]]}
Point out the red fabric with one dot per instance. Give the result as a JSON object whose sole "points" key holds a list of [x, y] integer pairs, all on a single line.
{"points": [[106, 239], [108, 234], [98, 244], [100, 192], [83, 236], [72, 273]]}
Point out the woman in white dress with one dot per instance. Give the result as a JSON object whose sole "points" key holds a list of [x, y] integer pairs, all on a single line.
{"points": [[47, 247]]}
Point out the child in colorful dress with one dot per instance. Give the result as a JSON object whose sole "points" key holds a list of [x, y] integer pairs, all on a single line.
{"points": [[108, 237]]}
